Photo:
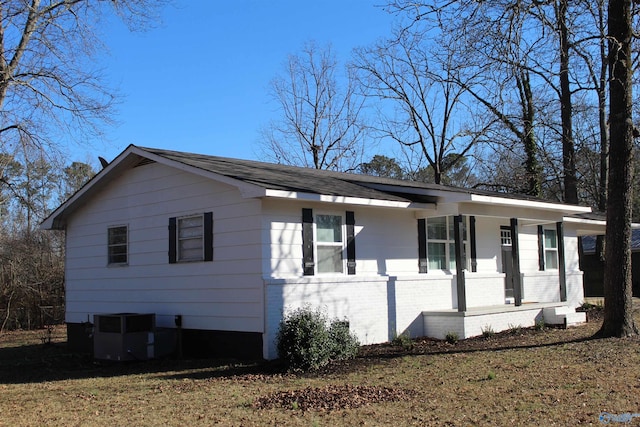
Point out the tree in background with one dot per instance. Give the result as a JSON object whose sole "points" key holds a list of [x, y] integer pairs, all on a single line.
{"points": [[321, 125], [618, 310], [49, 92], [382, 166], [31, 260], [420, 107], [48, 89]]}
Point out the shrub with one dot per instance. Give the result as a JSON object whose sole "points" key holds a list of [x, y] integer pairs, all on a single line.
{"points": [[540, 325], [344, 344], [403, 340], [451, 337], [488, 331], [307, 341], [515, 329]]}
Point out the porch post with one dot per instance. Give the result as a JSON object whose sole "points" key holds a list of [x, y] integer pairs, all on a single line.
{"points": [[561, 263], [460, 285], [515, 253]]}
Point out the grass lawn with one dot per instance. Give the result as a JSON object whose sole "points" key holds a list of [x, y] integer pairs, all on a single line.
{"points": [[521, 377]]}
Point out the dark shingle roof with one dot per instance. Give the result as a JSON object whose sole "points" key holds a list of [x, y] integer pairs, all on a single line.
{"points": [[293, 178]]}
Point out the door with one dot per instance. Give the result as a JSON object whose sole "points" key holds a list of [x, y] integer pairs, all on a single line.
{"points": [[507, 261]]}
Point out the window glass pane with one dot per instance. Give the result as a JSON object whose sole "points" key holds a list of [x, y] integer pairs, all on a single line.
{"points": [[551, 259], [329, 259], [505, 237], [452, 227], [117, 245], [329, 228], [190, 227], [452, 256], [436, 254], [117, 254], [190, 238], [437, 228], [117, 235], [550, 240]]}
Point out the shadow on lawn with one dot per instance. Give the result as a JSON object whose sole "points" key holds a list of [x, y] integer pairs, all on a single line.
{"points": [[52, 362]]}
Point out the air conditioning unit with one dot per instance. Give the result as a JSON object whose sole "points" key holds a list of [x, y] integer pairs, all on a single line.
{"points": [[124, 336]]}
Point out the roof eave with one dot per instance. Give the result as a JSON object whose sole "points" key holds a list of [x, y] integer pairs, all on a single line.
{"points": [[347, 200]]}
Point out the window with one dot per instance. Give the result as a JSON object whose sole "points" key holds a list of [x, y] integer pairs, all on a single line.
{"points": [[191, 238], [505, 236], [117, 244], [329, 243], [327, 240], [441, 244], [550, 249]]}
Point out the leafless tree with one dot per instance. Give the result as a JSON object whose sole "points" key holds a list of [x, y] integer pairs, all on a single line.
{"points": [[420, 105], [49, 88], [322, 124]]}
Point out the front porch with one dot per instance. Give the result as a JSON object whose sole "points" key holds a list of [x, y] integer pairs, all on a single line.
{"points": [[473, 321]]}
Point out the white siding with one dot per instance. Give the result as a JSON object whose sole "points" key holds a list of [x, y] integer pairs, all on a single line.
{"points": [[226, 294], [386, 239]]}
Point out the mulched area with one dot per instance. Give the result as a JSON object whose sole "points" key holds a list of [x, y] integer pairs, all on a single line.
{"points": [[335, 397]]}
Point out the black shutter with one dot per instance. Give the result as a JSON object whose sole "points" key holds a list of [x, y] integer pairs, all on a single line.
{"points": [[172, 241], [422, 245], [351, 243], [307, 242], [561, 261], [474, 248], [208, 236], [540, 248]]}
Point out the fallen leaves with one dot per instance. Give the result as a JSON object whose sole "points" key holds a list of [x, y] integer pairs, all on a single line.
{"points": [[331, 397]]}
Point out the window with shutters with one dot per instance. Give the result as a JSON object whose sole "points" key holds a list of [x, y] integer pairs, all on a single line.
{"points": [[328, 243], [550, 250], [191, 238], [118, 248]]}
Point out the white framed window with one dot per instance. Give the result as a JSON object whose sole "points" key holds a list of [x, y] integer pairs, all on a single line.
{"points": [[118, 245], [441, 243], [190, 238], [505, 237], [550, 249], [330, 243]]}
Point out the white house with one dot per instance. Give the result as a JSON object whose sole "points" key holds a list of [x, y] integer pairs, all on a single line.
{"points": [[229, 245]]}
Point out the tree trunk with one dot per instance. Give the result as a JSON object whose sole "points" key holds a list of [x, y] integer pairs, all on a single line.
{"points": [[618, 320], [568, 150], [534, 185]]}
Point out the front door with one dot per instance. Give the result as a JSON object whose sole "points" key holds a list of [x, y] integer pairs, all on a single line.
{"points": [[507, 261]]}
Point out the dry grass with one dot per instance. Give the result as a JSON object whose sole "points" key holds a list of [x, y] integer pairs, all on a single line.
{"points": [[526, 377]]}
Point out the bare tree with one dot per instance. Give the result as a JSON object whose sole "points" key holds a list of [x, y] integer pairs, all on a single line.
{"points": [[321, 125], [420, 105], [48, 87], [618, 310]]}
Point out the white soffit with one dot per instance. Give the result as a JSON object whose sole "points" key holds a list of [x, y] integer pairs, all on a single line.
{"points": [[325, 198]]}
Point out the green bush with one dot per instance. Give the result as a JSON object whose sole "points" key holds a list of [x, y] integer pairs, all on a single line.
{"points": [[344, 344], [306, 340]]}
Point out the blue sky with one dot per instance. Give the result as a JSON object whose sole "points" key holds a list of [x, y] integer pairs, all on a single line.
{"points": [[199, 81]]}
